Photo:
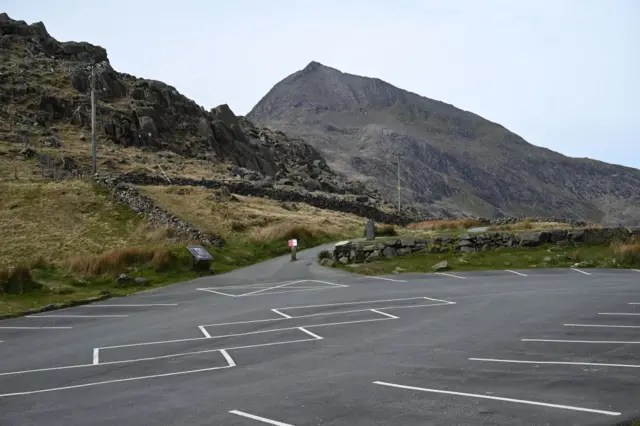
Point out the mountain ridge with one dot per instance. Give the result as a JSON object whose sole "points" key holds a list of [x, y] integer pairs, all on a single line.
{"points": [[454, 160]]}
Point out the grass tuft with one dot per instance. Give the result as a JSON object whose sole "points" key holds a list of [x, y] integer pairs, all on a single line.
{"points": [[17, 280], [119, 259], [386, 231], [433, 225], [628, 254]]}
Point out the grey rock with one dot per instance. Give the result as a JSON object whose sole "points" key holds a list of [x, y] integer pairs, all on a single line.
{"points": [[389, 252], [142, 281], [441, 266], [123, 279]]}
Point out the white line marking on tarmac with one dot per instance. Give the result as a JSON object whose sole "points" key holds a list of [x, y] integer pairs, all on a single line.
{"points": [[35, 328], [76, 316], [581, 271], [498, 398], [516, 272], [288, 291], [616, 342], [204, 331], [258, 418], [634, 303], [315, 336], [355, 303], [384, 313], [386, 279], [636, 270], [450, 275], [217, 292], [280, 313], [592, 364], [126, 361], [131, 305], [227, 357], [271, 288], [602, 325], [128, 379], [619, 313], [96, 356]]}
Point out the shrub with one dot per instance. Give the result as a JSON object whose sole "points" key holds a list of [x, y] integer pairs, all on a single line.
{"points": [[17, 280], [386, 231], [628, 254]]}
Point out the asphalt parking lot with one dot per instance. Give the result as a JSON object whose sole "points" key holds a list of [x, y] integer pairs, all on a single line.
{"points": [[294, 344]]}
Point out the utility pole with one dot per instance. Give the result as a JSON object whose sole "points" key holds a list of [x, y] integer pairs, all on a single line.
{"points": [[94, 168], [398, 153]]}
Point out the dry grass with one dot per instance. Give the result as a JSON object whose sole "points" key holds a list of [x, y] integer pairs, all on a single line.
{"points": [[55, 220], [285, 232], [528, 224], [117, 260], [386, 231], [17, 280], [628, 253], [257, 218], [433, 225]]}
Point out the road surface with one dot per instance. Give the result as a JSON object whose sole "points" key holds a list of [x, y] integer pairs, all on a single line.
{"points": [[292, 343]]}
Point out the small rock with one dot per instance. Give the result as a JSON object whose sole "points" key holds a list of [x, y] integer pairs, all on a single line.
{"points": [[105, 293], [441, 266], [546, 259], [123, 279], [224, 191], [329, 263], [398, 270], [141, 281], [463, 261]]}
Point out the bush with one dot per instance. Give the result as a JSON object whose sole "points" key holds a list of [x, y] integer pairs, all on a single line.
{"points": [[628, 254], [117, 260], [386, 231], [17, 280]]}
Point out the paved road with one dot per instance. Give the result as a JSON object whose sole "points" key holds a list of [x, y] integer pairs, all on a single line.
{"points": [[285, 343]]}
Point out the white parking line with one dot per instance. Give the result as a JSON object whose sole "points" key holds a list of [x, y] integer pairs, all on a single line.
{"points": [[128, 379], [602, 325], [280, 313], [96, 356], [386, 279], [636, 270], [384, 313], [516, 272], [619, 313], [363, 302], [613, 342], [582, 272], [591, 364], [271, 288], [258, 418], [498, 398], [450, 275], [204, 331], [76, 316], [228, 358], [634, 303], [217, 292], [130, 305], [315, 336], [35, 328]]}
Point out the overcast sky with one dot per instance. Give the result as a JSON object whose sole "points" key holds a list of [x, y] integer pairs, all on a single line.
{"points": [[561, 73]]}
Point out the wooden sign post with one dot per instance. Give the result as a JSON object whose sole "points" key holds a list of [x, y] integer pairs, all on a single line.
{"points": [[293, 244]]}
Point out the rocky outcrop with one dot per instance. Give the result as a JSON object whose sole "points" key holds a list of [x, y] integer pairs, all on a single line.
{"points": [[157, 216], [368, 251]]}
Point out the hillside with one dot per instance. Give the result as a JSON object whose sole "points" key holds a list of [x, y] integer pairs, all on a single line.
{"points": [[452, 161], [142, 125]]}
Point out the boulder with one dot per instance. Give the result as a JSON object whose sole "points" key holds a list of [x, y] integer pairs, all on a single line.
{"points": [[441, 266]]}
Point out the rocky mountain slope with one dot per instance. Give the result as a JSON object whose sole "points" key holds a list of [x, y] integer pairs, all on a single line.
{"points": [[45, 110], [452, 161]]}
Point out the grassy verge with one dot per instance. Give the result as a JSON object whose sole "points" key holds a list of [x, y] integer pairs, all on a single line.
{"points": [[67, 242], [614, 256]]}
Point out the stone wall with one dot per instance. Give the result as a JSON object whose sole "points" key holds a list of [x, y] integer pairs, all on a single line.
{"points": [[367, 251], [157, 216], [270, 190]]}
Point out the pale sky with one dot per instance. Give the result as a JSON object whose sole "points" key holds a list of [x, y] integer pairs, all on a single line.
{"points": [[563, 74]]}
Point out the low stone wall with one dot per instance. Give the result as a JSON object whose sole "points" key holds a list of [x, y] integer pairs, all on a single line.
{"points": [[157, 216], [267, 189], [368, 251]]}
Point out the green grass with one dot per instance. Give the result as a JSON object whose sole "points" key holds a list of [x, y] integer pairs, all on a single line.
{"points": [[63, 285], [519, 258]]}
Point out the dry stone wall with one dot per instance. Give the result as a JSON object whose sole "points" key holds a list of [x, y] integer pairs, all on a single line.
{"points": [[368, 251]]}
